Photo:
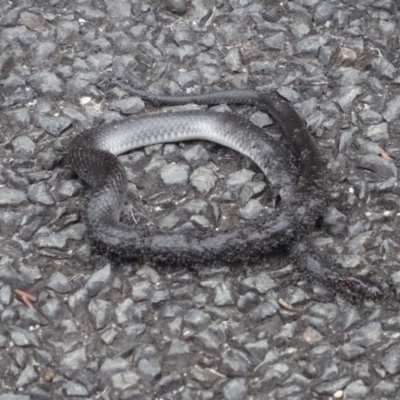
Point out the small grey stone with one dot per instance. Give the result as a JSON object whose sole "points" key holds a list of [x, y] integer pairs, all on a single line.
{"points": [[9, 222], [385, 389], [347, 319], [11, 197], [124, 311], [275, 42], [261, 282], [235, 389], [66, 30], [75, 359], [299, 29], [99, 280], [175, 174], [233, 61], [27, 376], [160, 297], [369, 117], [186, 79], [149, 274], [79, 301], [247, 302], [196, 155], [224, 294], [68, 189], [100, 313], [178, 7], [178, 348], [391, 324], [382, 167], [8, 274], [112, 366], [170, 382], [351, 352], [99, 61], [327, 311], [155, 163], [209, 341], [261, 119], [142, 291], [6, 295], [310, 44], [383, 68], [108, 336], [348, 76], [391, 360], [125, 380], [262, 67], [392, 111], [22, 337], [38, 193], [258, 349], [330, 387], [345, 100], [23, 146], [11, 396], [169, 221], [238, 3], [47, 84], [31, 316], [196, 206], [130, 105], [251, 210], [74, 232], [29, 274], [55, 241], [239, 178], [52, 308], [286, 335], [208, 40], [201, 220], [90, 13], [234, 363], [323, 12], [290, 95], [377, 133], [20, 356], [367, 335], [197, 319], [249, 190], [206, 376], [203, 179], [53, 125], [149, 369], [367, 147], [356, 390], [294, 296], [76, 389], [59, 283]]}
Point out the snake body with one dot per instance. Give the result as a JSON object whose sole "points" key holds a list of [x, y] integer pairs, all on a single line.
{"points": [[92, 155]]}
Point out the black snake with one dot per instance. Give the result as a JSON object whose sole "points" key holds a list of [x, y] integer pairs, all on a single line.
{"points": [[92, 155]]}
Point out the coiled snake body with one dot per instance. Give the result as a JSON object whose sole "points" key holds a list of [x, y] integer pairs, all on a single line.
{"points": [[92, 155]]}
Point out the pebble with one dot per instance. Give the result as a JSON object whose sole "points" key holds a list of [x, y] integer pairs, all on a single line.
{"points": [[175, 174], [203, 179]]}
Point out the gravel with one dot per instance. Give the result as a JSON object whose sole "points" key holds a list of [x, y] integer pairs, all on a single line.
{"points": [[103, 328]]}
